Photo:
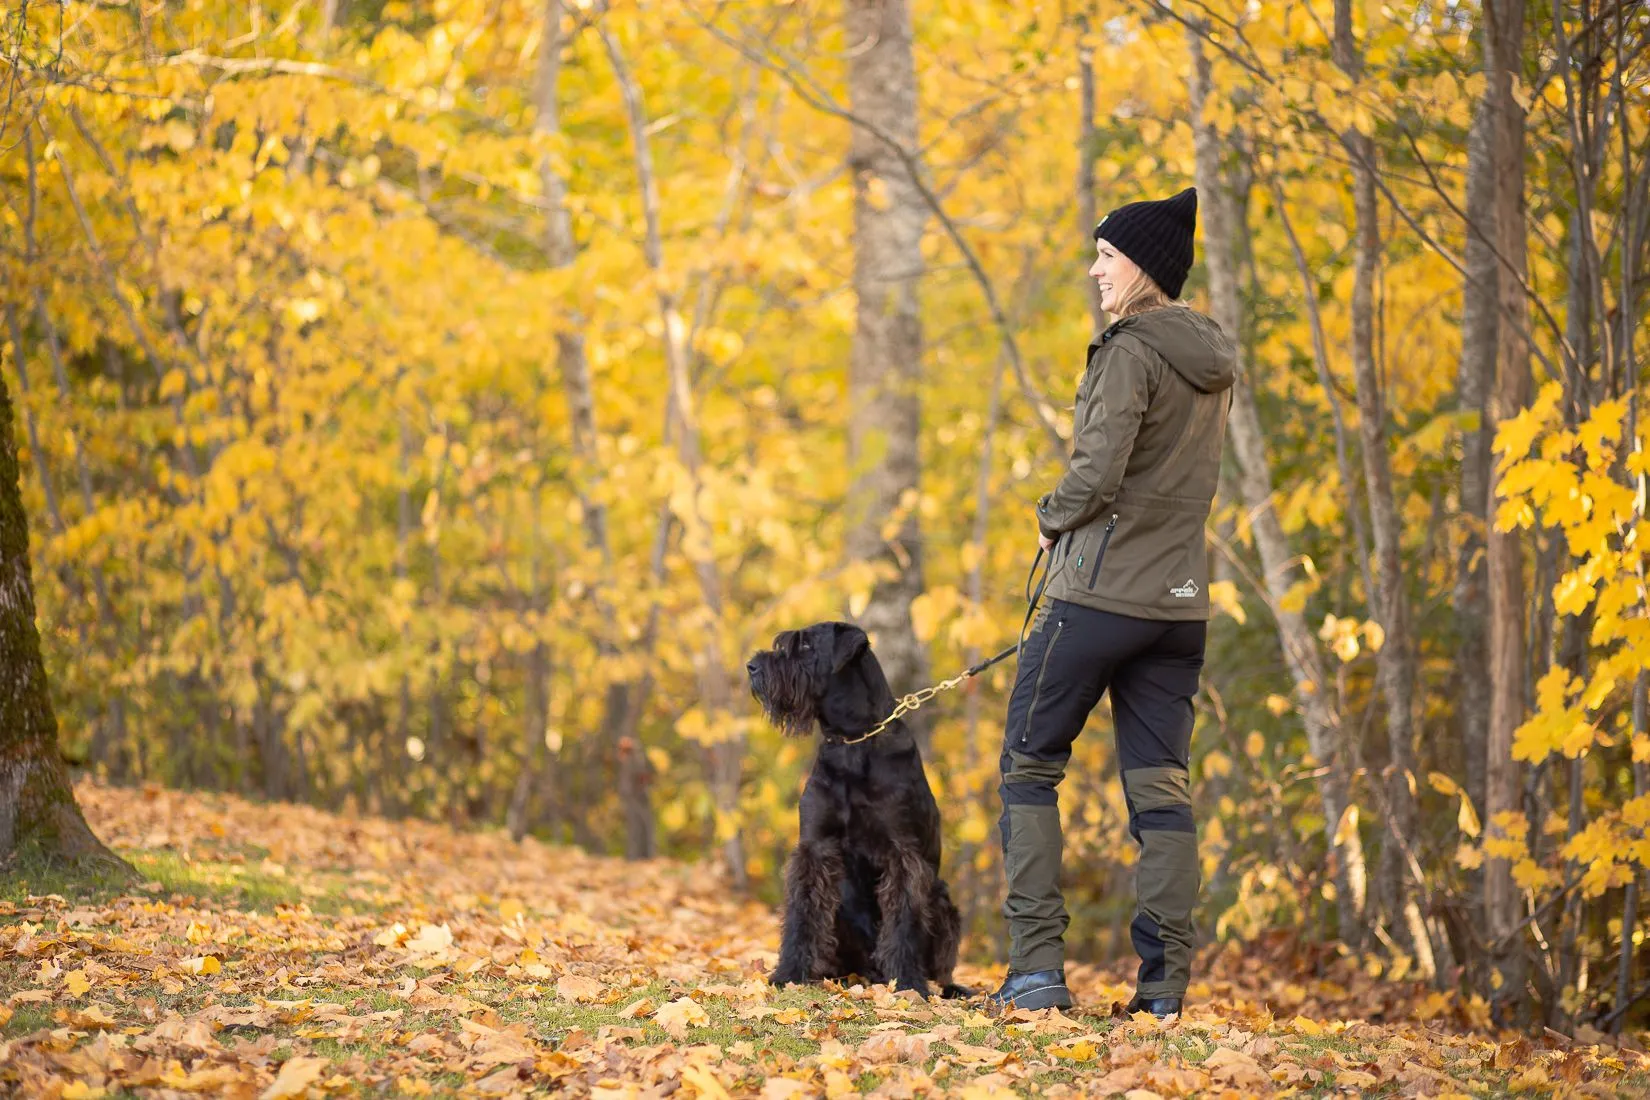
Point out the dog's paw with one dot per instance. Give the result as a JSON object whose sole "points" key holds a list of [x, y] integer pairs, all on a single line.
{"points": [[787, 977], [951, 991], [912, 985]]}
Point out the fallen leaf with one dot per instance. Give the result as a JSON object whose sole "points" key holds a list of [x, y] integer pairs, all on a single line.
{"points": [[986, 1056], [431, 938], [704, 1083], [574, 988], [890, 1046], [681, 1014], [296, 1075], [77, 983], [636, 1009], [1236, 1068]]}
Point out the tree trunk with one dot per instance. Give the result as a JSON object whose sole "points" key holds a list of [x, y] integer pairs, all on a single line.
{"points": [[1388, 600], [1085, 168], [1502, 786], [885, 365], [725, 757], [1479, 311], [37, 803], [1300, 648], [560, 250]]}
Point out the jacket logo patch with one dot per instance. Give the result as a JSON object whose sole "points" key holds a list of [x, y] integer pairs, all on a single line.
{"points": [[1185, 591]]}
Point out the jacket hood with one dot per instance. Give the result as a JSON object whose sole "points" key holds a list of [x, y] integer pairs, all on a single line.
{"points": [[1191, 342]]}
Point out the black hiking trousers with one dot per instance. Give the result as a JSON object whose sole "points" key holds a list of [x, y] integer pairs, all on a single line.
{"points": [[1073, 655]]}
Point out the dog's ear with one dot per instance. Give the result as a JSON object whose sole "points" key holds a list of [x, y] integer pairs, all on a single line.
{"points": [[849, 643]]}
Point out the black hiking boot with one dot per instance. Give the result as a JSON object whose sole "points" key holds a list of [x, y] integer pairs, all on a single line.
{"points": [[1042, 989], [1161, 1007]]}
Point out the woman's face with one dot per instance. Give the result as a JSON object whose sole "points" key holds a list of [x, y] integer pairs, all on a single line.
{"points": [[1117, 276]]}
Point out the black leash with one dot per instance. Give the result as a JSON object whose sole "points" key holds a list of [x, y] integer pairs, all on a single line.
{"points": [[917, 698]]}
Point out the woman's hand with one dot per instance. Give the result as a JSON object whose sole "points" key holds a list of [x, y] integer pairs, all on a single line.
{"points": [[1044, 541]]}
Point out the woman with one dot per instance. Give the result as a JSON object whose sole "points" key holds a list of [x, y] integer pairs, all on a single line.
{"points": [[1126, 609]]}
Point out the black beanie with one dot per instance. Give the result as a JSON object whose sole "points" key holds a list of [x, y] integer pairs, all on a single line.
{"points": [[1157, 236]]}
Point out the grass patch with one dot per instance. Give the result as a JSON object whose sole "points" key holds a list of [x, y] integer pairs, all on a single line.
{"points": [[28, 1018], [232, 883], [31, 872]]}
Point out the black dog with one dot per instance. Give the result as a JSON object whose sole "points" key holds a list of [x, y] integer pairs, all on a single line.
{"points": [[863, 893]]}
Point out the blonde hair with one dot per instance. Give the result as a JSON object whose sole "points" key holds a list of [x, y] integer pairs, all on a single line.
{"points": [[1142, 296]]}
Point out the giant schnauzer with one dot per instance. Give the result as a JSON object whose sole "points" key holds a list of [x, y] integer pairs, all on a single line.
{"points": [[863, 893]]}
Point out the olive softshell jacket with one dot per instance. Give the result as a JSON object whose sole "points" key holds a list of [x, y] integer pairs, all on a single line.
{"points": [[1128, 514]]}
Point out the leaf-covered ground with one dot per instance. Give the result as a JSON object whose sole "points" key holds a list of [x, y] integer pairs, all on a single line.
{"points": [[277, 951]]}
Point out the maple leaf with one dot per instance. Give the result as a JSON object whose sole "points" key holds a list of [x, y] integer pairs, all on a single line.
{"points": [[1236, 1069], [574, 988], [987, 1056], [431, 938], [889, 1046], [704, 1083], [296, 1075], [679, 1015]]}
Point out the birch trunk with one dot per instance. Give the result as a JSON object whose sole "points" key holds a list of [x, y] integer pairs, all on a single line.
{"points": [[724, 758], [1300, 648], [1502, 781], [621, 705], [1394, 668], [1474, 379], [885, 367]]}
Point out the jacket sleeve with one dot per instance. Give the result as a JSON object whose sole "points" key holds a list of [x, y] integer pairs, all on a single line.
{"points": [[1103, 437]]}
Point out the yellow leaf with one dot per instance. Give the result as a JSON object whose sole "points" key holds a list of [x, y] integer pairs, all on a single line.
{"points": [[80, 1090], [1442, 783], [77, 983], [703, 1082], [204, 964], [573, 988], [1466, 819], [296, 1075], [510, 909], [1223, 597], [635, 1009], [431, 938], [681, 1014], [1348, 826], [1235, 1068], [1080, 1051]]}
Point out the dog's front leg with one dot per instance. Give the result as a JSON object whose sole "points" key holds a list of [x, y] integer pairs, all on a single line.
{"points": [[813, 889], [902, 941]]}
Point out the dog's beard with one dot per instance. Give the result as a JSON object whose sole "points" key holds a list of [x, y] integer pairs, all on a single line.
{"points": [[787, 697]]}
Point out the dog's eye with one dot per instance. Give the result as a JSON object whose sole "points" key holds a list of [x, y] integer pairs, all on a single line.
{"points": [[805, 645]]}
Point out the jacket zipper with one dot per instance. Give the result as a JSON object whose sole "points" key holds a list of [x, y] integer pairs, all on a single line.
{"points": [[1100, 555], [1042, 670]]}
